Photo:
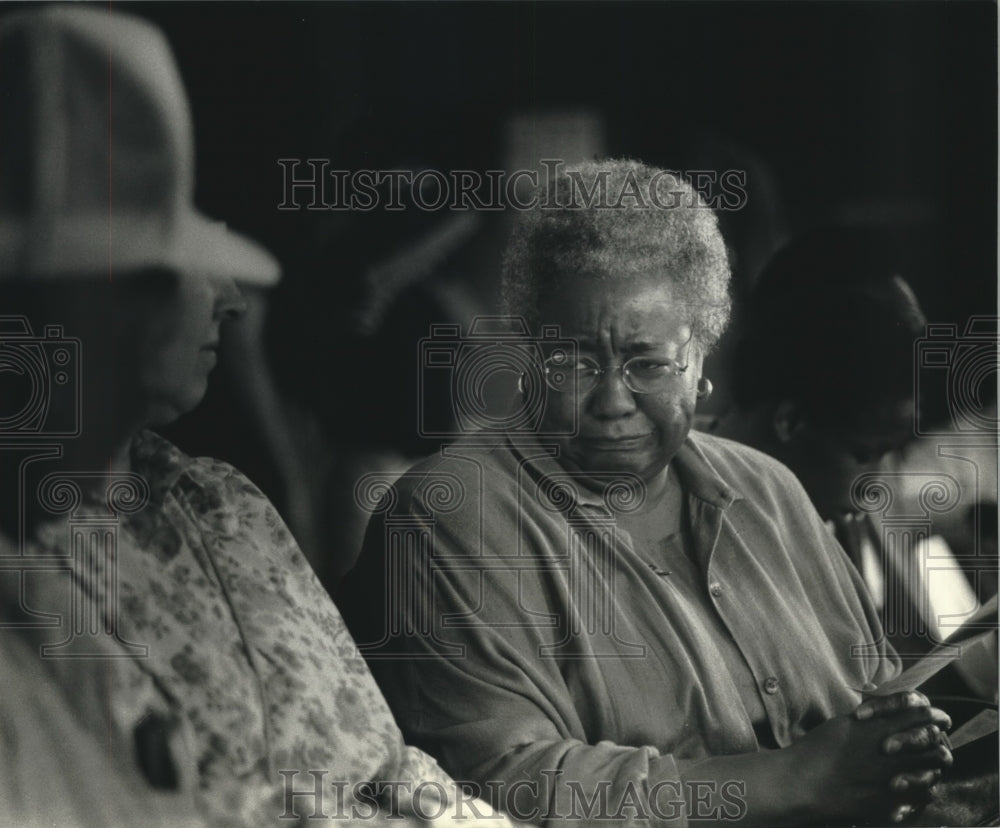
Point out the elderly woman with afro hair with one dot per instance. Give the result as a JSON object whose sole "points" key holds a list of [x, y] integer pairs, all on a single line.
{"points": [[597, 613]]}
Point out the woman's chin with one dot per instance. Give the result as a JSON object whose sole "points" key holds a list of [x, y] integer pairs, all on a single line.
{"points": [[599, 465], [165, 411]]}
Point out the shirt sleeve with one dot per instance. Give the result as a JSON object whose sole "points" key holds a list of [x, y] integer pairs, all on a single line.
{"points": [[882, 661], [453, 655]]}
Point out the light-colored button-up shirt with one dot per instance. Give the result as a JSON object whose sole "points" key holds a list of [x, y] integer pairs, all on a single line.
{"points": [[522, 640]]}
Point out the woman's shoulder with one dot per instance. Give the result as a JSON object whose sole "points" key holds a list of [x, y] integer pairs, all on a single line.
{"points": [[458, 469], [754, 475], [738, 458], [164, 465], [212, 494]]}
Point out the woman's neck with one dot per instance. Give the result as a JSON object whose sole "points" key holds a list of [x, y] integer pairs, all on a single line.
{"points": [[103, 444], [656, 487], [660, 515]]}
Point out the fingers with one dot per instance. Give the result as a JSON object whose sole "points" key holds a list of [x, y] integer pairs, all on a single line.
{"points": [[915, 789], [940, 718], [909, 718], [938, 757], [888, 705], [915, 739], [904, 783], [901, 812], [915, 743]]}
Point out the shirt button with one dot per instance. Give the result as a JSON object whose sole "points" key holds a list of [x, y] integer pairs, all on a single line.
{"points": [[771, 685], [715, 590]]}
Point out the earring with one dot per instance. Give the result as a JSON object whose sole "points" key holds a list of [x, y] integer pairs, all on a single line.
{"points": [[704, 388]]}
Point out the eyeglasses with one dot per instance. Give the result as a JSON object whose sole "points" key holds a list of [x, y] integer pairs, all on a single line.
{"points": [[582, 374]]}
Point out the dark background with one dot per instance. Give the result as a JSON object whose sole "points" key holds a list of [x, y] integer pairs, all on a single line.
{"points": [[884, 110], [879, 112]]}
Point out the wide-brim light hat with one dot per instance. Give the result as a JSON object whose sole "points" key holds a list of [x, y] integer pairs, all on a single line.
{"points": [[97, 156]]}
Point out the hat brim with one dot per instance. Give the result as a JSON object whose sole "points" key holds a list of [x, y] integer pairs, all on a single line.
{"points": [[121, 244], [210, 247]]}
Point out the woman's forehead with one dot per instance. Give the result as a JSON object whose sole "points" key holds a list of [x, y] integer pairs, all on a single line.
{"points": [[635, 312]]}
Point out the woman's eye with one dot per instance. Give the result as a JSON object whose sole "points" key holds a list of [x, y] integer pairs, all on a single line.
{"points": [[649, 367], [583, 367]]}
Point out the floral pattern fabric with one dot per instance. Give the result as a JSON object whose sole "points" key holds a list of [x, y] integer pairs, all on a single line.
{"points": [[246, 653]]}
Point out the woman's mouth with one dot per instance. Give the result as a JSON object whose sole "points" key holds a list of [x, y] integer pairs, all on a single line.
{"points": [[623, 443], [210, 353]]}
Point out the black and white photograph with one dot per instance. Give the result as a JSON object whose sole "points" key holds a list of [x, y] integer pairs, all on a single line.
{"points": [[499, 413]]}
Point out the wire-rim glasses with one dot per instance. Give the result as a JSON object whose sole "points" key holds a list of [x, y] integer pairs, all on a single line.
{"points": [[641, 374]]}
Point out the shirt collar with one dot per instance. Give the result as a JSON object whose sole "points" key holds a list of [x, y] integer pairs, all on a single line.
{"points": [[158, 461], [699, 477]]}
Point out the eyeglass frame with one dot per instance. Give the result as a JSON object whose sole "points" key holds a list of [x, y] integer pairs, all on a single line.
{"points": [[622, 369]]}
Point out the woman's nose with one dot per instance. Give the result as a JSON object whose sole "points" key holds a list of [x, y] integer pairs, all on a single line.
{"points": [[229, 302], [611, 398]]}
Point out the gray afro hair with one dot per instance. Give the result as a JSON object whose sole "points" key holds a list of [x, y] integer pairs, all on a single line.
{"points": [[644, 221]]}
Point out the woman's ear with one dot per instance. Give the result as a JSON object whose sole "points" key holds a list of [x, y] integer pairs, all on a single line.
{"points": [[786, 421]]}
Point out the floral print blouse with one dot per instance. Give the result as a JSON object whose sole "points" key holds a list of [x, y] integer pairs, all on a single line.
{"points": [[220, 632]]}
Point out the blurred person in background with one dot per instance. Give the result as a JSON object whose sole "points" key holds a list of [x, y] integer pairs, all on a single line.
{"points": [[823, 374], [823, 380], [155, 612]]}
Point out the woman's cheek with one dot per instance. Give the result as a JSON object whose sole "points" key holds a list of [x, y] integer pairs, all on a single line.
{"points": [[562, 415]]}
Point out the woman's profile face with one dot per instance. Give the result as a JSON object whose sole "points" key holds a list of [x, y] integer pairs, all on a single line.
{"points": [[181, 345], [828, 462], [620, 430]]}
